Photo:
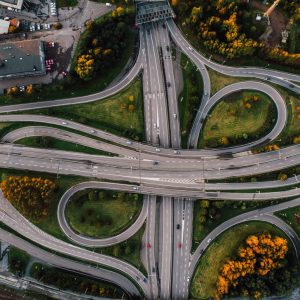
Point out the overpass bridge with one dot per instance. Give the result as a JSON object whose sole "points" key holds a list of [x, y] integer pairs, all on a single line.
{"points": [[152, 10]]}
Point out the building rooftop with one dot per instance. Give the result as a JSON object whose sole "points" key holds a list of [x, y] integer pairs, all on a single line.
{"points": [[12, 3], [23, 58]]}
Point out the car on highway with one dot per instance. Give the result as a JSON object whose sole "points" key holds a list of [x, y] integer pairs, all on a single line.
{"points": [[178, 226], [153, 269], [168, 84], [129, 142], [136, 188], [155, 162], [64, 123], [93, 131], [176, 152], [175, 116], [209, 240], [157, 149], [179, 245], [168, 48], [154, 125]]}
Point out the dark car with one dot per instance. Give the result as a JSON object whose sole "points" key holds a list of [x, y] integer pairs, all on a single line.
{"points": [[178, 226], [168, 84]]}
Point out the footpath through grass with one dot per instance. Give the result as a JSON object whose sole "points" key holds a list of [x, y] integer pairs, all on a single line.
{"points": [[231, 123], [102, 213], [121, 114], [190, 98], [203, 285]]}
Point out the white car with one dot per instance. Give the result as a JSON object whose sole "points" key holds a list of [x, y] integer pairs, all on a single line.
{"points": [[38, 26], [64, 123]]}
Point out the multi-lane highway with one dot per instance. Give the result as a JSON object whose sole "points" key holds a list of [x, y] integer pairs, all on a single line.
{"points": [[152, 169]]}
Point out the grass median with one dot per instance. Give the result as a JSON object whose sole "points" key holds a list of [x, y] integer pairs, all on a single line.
{"points": [[102, 213], [190, 97], [121, 114], [238, 119]]}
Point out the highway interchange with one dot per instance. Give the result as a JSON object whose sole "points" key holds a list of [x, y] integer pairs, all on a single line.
{"points": [[168, 177]]}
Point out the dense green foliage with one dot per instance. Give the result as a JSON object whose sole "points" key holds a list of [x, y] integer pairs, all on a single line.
{"points": [[74, 282], [229, 28], [102, 213], [17, 260], [102, 44]]}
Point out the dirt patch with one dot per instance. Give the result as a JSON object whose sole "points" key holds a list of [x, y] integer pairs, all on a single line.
{"points": [[278, 22]]}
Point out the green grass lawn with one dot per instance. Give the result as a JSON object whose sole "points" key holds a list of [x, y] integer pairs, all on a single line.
{"points": [[52, 143], [113, 114], [229, 118], [203, 285], [128, 250], [292, 217], [18, 261], [190, 98], [292, 127], [219, 81], [100, 213], [217, 212], [66, 3]]}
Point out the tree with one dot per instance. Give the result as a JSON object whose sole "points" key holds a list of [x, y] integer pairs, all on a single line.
{"points": [[31, 196], [57, 26], [282, 177], [261, 255], [85, 66]]}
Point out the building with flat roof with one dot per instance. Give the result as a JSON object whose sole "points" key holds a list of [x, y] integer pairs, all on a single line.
{"points": [[12, 3], [22, 58]]}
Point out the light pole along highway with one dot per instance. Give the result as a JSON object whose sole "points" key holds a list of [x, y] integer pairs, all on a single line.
{"points": [[178, 177]]}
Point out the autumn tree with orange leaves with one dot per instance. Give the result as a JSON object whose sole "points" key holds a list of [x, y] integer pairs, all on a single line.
{"points": [[261, 255], [30, 195]]}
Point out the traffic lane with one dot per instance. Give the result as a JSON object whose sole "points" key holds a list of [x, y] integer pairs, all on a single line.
{"points": [[13, 219], [70, 265]]}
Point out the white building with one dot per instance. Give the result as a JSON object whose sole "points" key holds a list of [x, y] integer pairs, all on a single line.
{"points": [[4, 26]]}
